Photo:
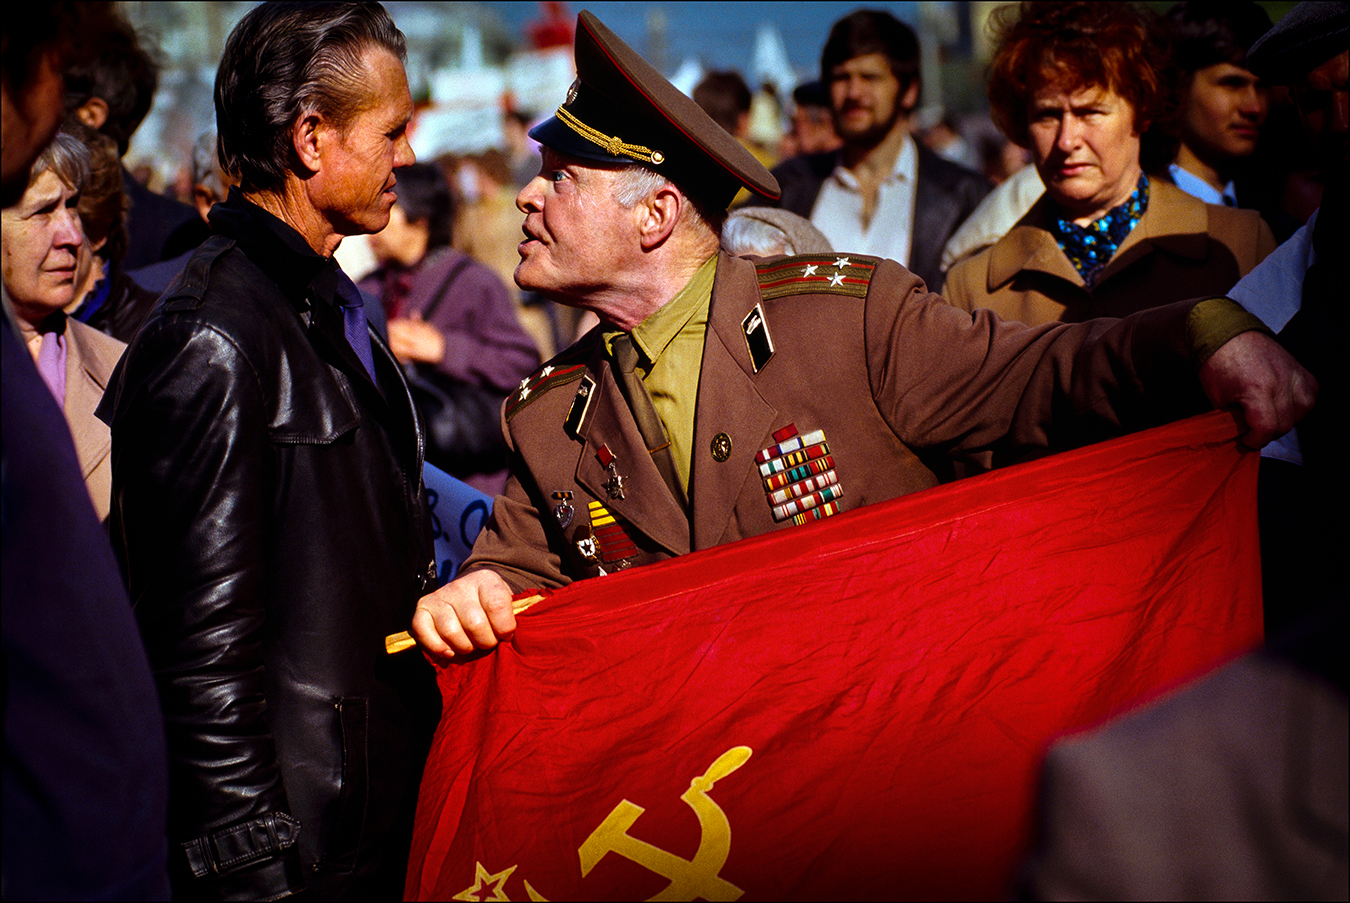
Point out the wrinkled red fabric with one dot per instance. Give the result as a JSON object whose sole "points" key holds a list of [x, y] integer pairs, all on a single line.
{"points": [[896, 673]]}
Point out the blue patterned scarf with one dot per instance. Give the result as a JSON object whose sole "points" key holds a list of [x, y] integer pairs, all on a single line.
{"points": [[1090, 247]]}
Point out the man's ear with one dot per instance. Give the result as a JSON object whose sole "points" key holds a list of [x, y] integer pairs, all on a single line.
{"points": [[660, 213], [910, 99], [203, 199], [307, 137], [93, 112]]}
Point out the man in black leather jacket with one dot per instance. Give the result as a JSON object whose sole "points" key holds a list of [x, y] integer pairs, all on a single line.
{"points": [[267, 486]]}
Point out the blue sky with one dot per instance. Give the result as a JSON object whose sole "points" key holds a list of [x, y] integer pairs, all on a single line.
{"points": [[721, 35]]}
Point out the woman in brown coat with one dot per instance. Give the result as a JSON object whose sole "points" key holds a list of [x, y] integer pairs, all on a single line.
{"points": [[1077, 84]]}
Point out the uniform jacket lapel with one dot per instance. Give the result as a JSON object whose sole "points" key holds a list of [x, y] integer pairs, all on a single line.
{"points": [[647, 504], [728, 403]]}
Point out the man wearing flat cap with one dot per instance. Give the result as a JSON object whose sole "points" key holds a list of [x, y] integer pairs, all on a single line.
{"points": [[723, 397]]}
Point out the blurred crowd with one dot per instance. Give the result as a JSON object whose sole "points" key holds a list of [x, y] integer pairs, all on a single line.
{"points": [[1155, 167]]}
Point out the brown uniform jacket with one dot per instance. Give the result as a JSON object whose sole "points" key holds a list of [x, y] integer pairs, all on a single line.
{"points": [[900, 383], [1180, 248]]}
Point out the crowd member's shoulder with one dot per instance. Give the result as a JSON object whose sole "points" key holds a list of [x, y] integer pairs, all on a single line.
{"points": [[803, 165], [567, 367], [968, 279], [799, 180], [952, 175], [1243, 231]]}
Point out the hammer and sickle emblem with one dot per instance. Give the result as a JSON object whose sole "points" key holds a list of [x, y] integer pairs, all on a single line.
{"points": [[689, 878]]}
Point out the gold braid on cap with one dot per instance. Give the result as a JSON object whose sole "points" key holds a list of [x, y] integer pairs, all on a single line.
{"points": [[613, 146]]}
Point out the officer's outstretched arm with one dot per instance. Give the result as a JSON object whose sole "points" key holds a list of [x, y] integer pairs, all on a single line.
{"points": [[469, 613]]}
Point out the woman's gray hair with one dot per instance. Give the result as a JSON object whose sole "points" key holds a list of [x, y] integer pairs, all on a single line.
{"points": [[68, 157], [769, 231]]}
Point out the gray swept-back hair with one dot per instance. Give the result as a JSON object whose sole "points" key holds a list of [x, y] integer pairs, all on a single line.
{"points": [[284, 61], [638, 182]]}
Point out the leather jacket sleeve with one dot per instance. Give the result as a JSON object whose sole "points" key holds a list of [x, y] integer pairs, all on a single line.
{"points": [[195, 480]]}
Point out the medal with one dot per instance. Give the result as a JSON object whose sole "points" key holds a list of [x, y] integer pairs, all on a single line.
{"points": [[590, 550], [610, 461], [563, 510]]}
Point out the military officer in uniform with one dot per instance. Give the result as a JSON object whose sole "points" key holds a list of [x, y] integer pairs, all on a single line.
{"points": [[723, 397]]}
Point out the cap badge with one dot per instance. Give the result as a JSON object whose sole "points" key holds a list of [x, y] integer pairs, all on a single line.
{"points": [[572, 92]]}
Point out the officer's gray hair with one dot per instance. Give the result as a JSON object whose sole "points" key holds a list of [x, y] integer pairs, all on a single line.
{"points": [[637, 183]]}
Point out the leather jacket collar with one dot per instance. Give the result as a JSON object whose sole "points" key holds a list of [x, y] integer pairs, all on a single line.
{"points": [[275, 247]]}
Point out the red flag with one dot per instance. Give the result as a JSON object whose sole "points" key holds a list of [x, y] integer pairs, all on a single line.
{"points": [[852, 709]]}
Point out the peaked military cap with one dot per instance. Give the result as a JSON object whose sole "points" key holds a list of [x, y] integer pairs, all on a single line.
{"points": [[622, 111]]}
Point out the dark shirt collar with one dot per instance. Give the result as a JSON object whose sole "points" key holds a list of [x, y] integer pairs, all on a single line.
{"points": [[277, 249]]}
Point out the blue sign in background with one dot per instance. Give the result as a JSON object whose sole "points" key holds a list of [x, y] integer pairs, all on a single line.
{"points": [[458, 513]]}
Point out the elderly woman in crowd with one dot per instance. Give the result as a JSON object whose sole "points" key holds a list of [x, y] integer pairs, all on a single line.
{"points": [[1077, 84], [105, 296], [43, 241]]}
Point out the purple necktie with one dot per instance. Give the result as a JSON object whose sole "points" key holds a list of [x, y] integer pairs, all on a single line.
{"points": [[354, 322], [51, 364]]}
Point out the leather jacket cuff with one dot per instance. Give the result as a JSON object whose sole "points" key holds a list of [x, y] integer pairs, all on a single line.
{"points": [[231, 848]]}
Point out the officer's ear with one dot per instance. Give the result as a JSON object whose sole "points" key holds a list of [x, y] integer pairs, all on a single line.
{"points": [[660, 213]]}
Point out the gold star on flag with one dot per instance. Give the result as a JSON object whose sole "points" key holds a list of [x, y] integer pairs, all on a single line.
{"points": [[483, 882]]}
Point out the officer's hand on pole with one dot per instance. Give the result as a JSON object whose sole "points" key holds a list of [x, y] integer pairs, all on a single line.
{"points": [[469, 613]]}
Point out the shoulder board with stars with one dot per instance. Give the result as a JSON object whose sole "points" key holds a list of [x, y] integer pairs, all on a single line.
{"points": [[556, 372], [807, 274]]}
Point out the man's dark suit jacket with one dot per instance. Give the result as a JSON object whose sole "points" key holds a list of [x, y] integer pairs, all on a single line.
{"points": [[158, 227], [947, 194]]}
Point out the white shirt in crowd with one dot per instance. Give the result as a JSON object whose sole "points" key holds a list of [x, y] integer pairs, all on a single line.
{"points": [[838, 212]]}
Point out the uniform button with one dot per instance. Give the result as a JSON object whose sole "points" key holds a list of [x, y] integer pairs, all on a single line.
{"points": [[721, 447]]}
